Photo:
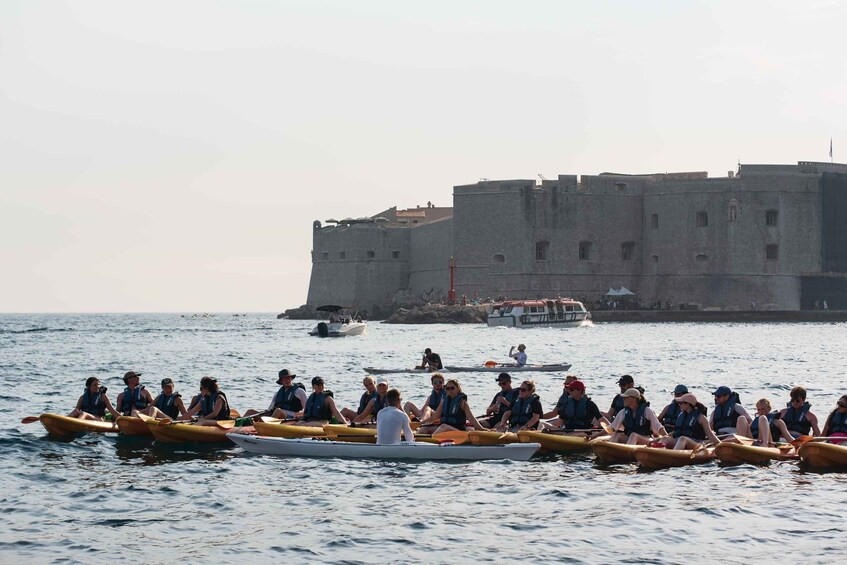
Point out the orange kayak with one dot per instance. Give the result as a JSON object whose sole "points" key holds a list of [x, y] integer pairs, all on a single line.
{"points": [[558, 443], [288, 431], [731, 453], [659, 458], [823, 455], [133, 426], [612, 453], [63, 426], [173, 432]]}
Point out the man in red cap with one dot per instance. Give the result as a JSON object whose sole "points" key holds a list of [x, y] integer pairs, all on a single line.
{"points": [[578, 414]]}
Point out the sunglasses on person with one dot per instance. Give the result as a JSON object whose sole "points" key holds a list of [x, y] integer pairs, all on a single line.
{"points": [[796, 399], [450, 387], [437, 382], [524, 389]]}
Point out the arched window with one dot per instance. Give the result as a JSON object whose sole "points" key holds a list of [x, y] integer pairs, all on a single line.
{"points": [[499, 258]]}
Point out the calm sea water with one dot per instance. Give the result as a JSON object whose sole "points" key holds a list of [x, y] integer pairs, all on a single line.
{"points": [[96, 498]]}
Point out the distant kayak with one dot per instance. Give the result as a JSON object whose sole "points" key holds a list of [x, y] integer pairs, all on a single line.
{"points": [[428, 451], [495, 368]]}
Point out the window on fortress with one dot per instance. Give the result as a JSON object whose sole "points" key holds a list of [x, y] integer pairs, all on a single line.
{"points": [[654, 221], [325, 256], [770, 218], [701, 258], [655, 258], [702, 219], [371, 254], [395, 254], [541, 250], [499, 258], [772, 252], [628, 251], [342, 255], [733, 213], [585, 251]]}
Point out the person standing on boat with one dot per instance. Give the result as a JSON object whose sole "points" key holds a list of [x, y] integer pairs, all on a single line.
{"points": [[692, 426], [453, 412], [836, 422], [636, 423], [320, 406], [519, 356], [289, 400], [391, 421], [502, 401], [167, 405], [376, 403], [796, 416], [430, 361], [525, 412], [93, 403], [728, 411], [670, 413], [626, 382], [432, 401], [370, 391], [578, 412], [134, 397]]}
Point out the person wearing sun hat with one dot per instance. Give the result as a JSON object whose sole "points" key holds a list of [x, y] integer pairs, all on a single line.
{"points": [[134, 397], [289, 400], [377, 402], [692, 426], [727, 411], [636, 424], [669, 413]]}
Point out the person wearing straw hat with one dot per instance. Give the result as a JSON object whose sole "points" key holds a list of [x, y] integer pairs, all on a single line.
{"points": [[636, 424], [692, 426], [134, 397]]}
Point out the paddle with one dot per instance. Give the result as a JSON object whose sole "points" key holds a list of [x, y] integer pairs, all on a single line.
{"points": [[29, 420], [806, 439], [569, 430], [458, 437], [607, 428]]}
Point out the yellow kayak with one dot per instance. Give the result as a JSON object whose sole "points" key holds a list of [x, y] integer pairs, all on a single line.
{"points": [[63, 426], [661, 458], [731, 453], [173, 432], [558, 443], [492, 438], [823, 455], [610, 453], [287, 431], [133, 426]]}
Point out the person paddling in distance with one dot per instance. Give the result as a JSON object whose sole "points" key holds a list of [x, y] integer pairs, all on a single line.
{"points": [[370, 391], [519, 356], [525, 412], [432, 401], [836, 422], [762, 428], [167, 405], [289, 400], [93, 403], [453, 412], [502, 401], [430, 361], [134, 397], [670, 413], [636, 424], [391, 421], [692, 426], [376, 403], [578, 413], [554, 413], [320, 406], [797, 417], [626, 382], [213, 405], [728, 411]]}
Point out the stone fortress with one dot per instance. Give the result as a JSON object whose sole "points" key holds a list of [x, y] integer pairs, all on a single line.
{"points": [[769, 236]]}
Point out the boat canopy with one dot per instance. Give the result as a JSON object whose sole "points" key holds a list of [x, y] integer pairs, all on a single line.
{"points": [[331, 308]]}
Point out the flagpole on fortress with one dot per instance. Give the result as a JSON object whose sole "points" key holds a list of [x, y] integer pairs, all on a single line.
{"points": [[451, 294], [830, 150]]}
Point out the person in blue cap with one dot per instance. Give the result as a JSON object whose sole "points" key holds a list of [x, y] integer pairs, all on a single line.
{"points": [[670, 413], [728, 409]]}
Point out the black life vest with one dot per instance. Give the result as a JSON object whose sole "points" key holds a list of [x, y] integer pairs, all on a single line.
{"points": [[837, 422], [726, 416], [452, 413], [636, 422], [435, 398], [795, 420], [754, 427], [167, 404], [688, 425], [316, 408], [132, 399], [672, 412], [617, 403], [522, 411], [207, 406], [93, 403], [364, 399], [285, 399], [575, 414], [510, 397]]}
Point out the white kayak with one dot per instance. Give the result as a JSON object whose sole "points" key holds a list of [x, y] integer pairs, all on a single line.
{"points": [[323, 448], [497, 368]]}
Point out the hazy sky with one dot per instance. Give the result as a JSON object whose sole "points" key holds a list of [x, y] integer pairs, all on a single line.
{"points": [[172, 155]]}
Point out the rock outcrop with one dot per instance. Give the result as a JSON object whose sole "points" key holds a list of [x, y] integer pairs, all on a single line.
{"points": [[439, 314]]}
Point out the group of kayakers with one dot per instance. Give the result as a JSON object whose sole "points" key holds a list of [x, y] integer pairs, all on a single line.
{"points": [[684, 423]]}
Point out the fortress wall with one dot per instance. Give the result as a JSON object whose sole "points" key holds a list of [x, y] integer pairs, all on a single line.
{"points": [[344, 272], [431, 246]]}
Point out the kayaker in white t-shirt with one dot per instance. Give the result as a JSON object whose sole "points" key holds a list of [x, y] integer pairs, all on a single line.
{"points": [[391, 421], [519, 356]]}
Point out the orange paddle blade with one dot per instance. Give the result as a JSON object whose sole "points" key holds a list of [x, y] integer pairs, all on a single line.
{"points": [[456, 436], [226, 424], [490, 363], [29, 420]]}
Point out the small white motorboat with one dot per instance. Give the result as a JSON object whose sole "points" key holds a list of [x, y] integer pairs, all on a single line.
{"points": [[312, 447], [339, 323]]}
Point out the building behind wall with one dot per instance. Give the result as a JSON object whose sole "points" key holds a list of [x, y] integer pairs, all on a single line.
{"points": [[771, 235]]}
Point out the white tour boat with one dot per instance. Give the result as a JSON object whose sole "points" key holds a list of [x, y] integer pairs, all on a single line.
{"points": [[339, 323], [543, 313]]}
